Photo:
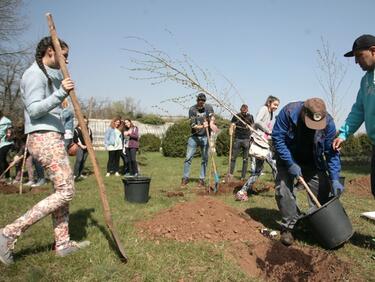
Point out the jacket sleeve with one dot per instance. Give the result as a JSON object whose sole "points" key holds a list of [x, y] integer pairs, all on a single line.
{"points": [[134, 133], [36, 102], [279, 133], [332, 156], [75, 135], [259, 120], [109, 137], [354, 119]]}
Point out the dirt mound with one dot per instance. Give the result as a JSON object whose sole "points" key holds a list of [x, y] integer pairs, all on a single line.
{"points": [[360, 186], [12, 189], [211, 220]]}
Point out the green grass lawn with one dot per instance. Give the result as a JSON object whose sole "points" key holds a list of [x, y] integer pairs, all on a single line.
{"points": [[168, 260]]}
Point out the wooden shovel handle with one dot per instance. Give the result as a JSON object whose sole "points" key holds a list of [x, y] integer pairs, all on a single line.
{"points": [[315, 200], [86, 137]]}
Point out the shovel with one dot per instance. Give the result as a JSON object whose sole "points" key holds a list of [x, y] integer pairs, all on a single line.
{"points": [[229, 177], [315, 200], [12, 164], [212, 152]]}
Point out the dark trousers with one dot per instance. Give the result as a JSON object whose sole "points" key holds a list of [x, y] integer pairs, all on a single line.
{"points": [[125, 162], [373, 171], [80, 161], [131, 154], [244, 145], [113, 163], [3, 159], [318, 182]]}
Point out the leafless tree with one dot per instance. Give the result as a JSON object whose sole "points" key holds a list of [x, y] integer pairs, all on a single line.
{"points": [[330, 77], [12, 24], [158, 67], [11, 70]]}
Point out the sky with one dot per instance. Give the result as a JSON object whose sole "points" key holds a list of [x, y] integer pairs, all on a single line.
{"points": [[264, 47]]}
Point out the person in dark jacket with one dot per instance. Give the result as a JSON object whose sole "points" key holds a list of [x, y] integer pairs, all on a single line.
{"points": [[241, 139], [82, 149], [131, 144], [302, 137]]}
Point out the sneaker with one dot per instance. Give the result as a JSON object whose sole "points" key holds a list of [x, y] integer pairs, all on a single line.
{"points": [[117, 174], [241, 196], [286, 237], [72, 247], [108, 174], [83, 176], [29, 183], [184, 182], [6, 246], [40, 182]]}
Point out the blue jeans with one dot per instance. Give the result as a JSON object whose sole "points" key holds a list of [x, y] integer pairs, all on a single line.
{"points": [[192, 144]]}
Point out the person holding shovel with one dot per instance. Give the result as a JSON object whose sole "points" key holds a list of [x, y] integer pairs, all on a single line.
{"points": [[200, 119], [363, 110], [302, 137], [43, 89], [241, 139]]}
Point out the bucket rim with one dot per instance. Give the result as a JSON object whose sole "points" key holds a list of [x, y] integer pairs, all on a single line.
{"points": [[323, 206]]}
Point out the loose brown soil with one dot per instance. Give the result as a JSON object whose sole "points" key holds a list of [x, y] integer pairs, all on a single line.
{"points": [[360, 186], [208, 219], [13, 189]]}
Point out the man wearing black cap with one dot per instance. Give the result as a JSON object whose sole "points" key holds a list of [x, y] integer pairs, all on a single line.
{"points": [[201, 117], [242, 139], [302, 137], [363, 110]]}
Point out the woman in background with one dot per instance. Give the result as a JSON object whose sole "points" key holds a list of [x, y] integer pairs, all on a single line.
{"points": [[131, 133], [113, 144]]}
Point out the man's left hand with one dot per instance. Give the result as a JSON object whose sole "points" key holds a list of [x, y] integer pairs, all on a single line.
{"points": [[337, 188]]}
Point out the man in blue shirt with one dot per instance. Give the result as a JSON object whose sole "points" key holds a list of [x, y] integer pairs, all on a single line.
{"points": [[363, 110], [302, 137]]}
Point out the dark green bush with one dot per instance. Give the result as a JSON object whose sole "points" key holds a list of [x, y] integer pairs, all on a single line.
{"points": [[149, 143], [357, 146], [151, 119], [222, 142], [175, 140]]}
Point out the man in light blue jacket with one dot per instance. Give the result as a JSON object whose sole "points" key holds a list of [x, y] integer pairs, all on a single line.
{"points": [[363, 110]]}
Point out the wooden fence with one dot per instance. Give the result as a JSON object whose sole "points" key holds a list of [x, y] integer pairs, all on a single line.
{"points": [[99, 126]]}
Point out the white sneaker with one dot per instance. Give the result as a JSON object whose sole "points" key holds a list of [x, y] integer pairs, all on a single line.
{"points": [[117, 174], [40, 182], [108, 174], [29, 183], [83, 176]]}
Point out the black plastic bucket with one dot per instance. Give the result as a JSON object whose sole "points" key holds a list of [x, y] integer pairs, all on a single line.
{"points": [[137, 189], [331, 224]]}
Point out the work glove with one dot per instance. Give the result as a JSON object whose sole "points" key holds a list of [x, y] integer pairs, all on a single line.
{"points": [[295, 170], [337, 188]]}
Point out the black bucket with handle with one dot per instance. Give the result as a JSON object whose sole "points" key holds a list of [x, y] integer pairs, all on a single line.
{"points": [[331, 224], [137, 189]]}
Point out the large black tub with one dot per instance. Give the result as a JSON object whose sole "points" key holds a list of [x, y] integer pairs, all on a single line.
{"points": [[331, 224], [137, 189]]}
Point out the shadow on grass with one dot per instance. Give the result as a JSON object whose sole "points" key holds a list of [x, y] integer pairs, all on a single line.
{"points": [[78, 222], [362, 241]]}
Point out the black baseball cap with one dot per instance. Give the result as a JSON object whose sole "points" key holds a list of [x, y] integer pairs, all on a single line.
{"points": [[201, 97], [363, 42]]}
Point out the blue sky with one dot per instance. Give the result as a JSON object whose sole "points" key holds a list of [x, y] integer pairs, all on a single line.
{"points": [[263, 47]]}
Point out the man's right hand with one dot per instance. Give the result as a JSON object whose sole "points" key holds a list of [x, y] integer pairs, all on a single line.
{"points": [[295, 170], [336, 144]]}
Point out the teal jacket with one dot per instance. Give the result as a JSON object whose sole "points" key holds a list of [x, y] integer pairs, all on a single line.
{"points": [[42, 104], [363, 110], [5, 123]]}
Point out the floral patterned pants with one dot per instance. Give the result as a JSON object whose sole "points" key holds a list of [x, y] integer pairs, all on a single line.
{"points": [[48, 148]]}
